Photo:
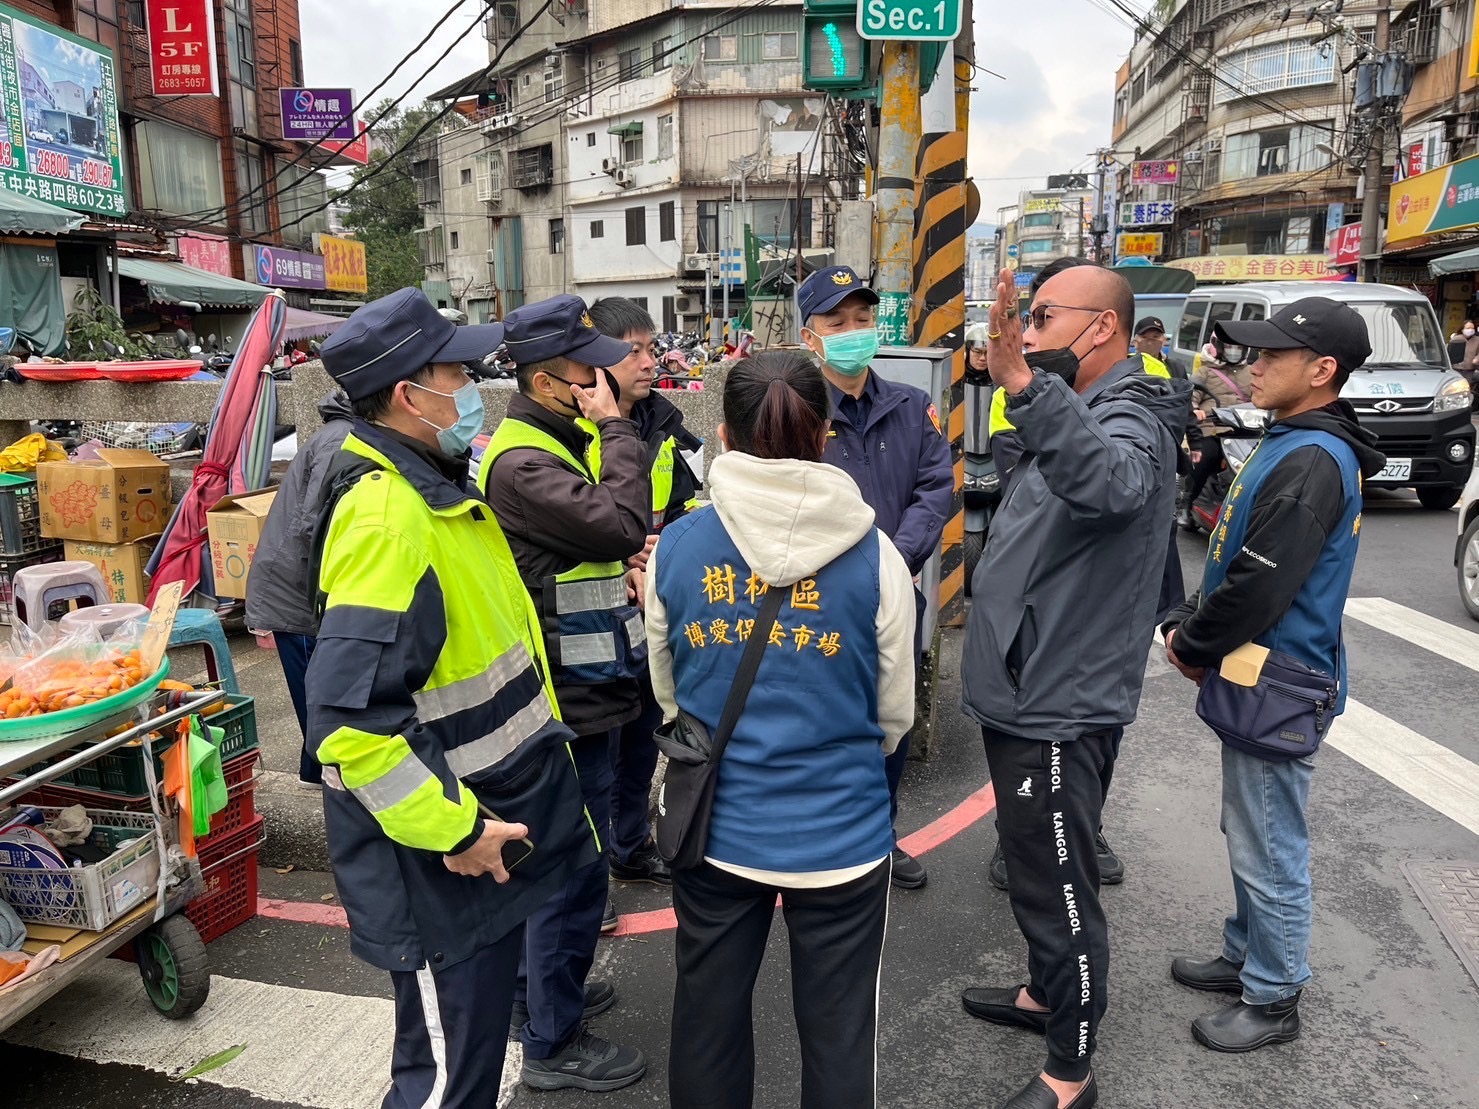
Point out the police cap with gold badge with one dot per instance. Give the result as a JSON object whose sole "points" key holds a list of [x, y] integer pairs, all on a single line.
{"points": [[826, 289], [559, 326]]}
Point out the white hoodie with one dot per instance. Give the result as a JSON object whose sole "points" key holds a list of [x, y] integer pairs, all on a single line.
{"points": [[789, 519]]}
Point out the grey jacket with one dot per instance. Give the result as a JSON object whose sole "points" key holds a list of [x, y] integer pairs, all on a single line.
{"points": [[280, 598], [1065, 595]]}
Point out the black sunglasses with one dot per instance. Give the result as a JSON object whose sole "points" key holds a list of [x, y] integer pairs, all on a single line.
{"points": [[1038, 316]]}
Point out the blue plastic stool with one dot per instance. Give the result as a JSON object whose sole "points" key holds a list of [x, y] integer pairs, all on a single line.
{"points": [[201, 625]]}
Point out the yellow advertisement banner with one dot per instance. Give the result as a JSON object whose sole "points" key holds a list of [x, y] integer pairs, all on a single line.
{"points": [[1256, 267], [1040, 204], [1443, 199], [344, 264], [1141, 244]]}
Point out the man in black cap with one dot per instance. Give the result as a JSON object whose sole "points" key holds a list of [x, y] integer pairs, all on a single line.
{"points": [[566, 474], [888, 437], [1277, 575], [426, 698], [1150, 342]]}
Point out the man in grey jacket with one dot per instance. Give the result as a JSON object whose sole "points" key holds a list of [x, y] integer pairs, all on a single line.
{"points": [[280, 597], [1056, 646]]}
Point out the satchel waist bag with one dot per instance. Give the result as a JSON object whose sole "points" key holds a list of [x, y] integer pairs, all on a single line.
{"points": [[1283, 715], [686, 799]]}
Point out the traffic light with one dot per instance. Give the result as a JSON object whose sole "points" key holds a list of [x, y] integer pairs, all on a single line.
{"points": [[834, 55]]}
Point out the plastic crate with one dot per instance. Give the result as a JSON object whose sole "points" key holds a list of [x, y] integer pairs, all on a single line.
{"points": [[93, 896], [239, 721], [121, 772], [9, 564], [229, 867], [20, 515]]}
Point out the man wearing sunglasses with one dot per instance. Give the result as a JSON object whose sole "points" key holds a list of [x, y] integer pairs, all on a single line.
{"points": [[1055, 659]]}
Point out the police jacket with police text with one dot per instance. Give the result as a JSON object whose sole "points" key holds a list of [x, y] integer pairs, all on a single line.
{"points": [[660, 422], [891, 444], [428, 697]]}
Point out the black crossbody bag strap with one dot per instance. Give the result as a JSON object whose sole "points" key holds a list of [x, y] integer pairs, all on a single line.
{"points": [[744, 677]]}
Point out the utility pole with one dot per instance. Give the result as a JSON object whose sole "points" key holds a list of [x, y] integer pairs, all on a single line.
{"points": [[1101, 225], [898, 145], [1370, 269], [1081, 227]]}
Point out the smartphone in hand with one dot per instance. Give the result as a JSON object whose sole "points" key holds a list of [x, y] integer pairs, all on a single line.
{"points": [[514, 851]]}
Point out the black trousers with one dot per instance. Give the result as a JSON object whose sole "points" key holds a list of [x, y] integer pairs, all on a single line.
{"points": [[1049, 798], [451, 1029], [836, 946]]}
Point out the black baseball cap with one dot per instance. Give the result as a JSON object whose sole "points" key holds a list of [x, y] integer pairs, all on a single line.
{"points": [[391, 338], [1150, 323], [1319, 324], [559, 326], [827, 288]]}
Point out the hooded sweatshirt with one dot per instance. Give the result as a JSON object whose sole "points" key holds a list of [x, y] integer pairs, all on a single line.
{"points": [[801, 798], [1296, 513]]}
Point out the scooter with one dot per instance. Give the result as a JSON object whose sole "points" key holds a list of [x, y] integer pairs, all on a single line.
{"points": [[982, 492], [1245, 425]]}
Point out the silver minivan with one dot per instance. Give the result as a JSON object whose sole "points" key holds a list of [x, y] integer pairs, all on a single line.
{"points": [[1408, 393]]}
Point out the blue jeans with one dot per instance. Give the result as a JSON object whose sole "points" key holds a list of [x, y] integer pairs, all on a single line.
{"points": [[293, 653], [1268, 845]]}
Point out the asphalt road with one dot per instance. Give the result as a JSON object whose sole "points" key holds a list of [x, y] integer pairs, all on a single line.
{"points": [[1391, 1019]]}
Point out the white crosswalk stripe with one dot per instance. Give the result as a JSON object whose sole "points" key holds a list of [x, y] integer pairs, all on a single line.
{"points": [[1461, 645]]}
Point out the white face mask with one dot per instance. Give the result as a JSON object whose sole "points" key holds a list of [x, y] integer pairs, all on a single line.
{"points": [[1468, 333]]}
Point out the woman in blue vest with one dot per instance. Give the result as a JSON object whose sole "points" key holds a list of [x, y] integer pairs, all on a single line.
{"points": [[801, 808]]}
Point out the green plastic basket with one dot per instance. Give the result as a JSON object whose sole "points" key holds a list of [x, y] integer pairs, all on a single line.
{"points": [[71, 720]]}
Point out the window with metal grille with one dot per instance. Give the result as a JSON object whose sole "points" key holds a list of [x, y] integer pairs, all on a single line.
{"points": [[636, 226], [533, 167], [1274, 66]]}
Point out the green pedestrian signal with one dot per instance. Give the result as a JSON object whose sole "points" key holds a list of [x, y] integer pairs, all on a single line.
{"points": [[834, 55]]}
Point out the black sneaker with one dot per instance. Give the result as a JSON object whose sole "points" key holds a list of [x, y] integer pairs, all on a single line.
{"points": [[1111, 870], [586, 1063], [609, 922], [997, 871], [599, 996], [908, 872], [645, 865]]}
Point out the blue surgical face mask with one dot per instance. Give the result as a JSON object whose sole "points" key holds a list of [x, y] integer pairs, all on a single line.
{"points": [[457, 439], [850, 352]]}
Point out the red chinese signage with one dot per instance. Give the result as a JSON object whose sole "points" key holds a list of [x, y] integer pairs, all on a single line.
{"points": [[356, 150], [182, 47], [1155, 173], [1416, 159], [1345, 245], [211, 253]]}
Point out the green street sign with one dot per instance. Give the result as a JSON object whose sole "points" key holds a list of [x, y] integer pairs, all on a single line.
{"points": [[910, 20]]}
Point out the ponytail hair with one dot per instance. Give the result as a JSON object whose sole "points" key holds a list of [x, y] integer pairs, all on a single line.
{"points": [[776, 405]]}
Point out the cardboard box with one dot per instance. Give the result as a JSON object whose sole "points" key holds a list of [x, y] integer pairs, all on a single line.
{"points": [[120, 498], [234, 526], [122, 565]]}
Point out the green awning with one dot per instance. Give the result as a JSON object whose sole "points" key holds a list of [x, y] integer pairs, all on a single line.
{"points": [[625, 130], [173, 283], [1465, 261], [35, 217]]}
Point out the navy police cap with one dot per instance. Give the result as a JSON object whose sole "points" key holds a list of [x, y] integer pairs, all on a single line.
{"points": [[827, 288], [560, 327], [389, 339]]}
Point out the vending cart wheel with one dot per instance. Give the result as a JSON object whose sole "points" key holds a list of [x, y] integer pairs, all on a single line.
{"points": [[174, 966]]}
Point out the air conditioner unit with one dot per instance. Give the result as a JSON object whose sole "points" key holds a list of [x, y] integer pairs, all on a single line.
{"points": [[491, 257], [1213, 145], [609, 165], [689, 305], [698, 263], [623, 177], [503, 121]]}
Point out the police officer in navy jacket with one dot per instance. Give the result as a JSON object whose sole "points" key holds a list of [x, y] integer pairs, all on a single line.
{"points": [[888, 437]]}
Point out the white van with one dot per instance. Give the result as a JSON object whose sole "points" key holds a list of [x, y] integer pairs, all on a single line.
{"points": [[1408, 393]]}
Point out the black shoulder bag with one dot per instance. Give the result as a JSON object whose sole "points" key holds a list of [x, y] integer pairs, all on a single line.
{"points": [[686, 801]]}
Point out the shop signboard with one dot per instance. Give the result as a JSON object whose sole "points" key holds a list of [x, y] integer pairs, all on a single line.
{"points": [[182, 47], [211, 253], [344, 264], [1155, 173], [1443, 199], [59, 117], [1134, 213], [282, 268], [1345, 245], [312, 114], [1256, 267], [893, 318], [1140, 244], [355, 151], [1041, 204]]}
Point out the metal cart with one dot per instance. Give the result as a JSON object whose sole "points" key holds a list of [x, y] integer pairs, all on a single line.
{"points": [[171, 957]]}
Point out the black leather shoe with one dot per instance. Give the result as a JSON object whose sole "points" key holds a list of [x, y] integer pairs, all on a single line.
{"points": [[1111, 870], [599, 996], [645, 865], [908, 872], [1000, 1007], [997, 871], [1037, 1094], [1243, 1027], [1212, 975]]}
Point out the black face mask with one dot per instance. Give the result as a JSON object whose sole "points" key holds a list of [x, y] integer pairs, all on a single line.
{"points": [[1061, 360], [575, 409]]}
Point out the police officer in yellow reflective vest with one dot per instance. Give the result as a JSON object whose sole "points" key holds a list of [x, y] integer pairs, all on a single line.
{"points": [[631, 852], [566, 475], [452, 805]]}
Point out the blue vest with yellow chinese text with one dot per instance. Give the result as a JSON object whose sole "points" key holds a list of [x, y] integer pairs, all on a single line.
{"points": [[1310, 629], [801, 787]]}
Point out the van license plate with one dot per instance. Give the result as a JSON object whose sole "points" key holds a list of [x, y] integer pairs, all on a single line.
{"points": [[1396, 469]]}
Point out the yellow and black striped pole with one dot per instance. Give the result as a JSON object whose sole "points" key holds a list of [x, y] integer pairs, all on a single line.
{"points": [[938, 304]]}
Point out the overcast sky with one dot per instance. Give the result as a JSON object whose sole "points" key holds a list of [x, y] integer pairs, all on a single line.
{"points": [[1053, 109]]}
